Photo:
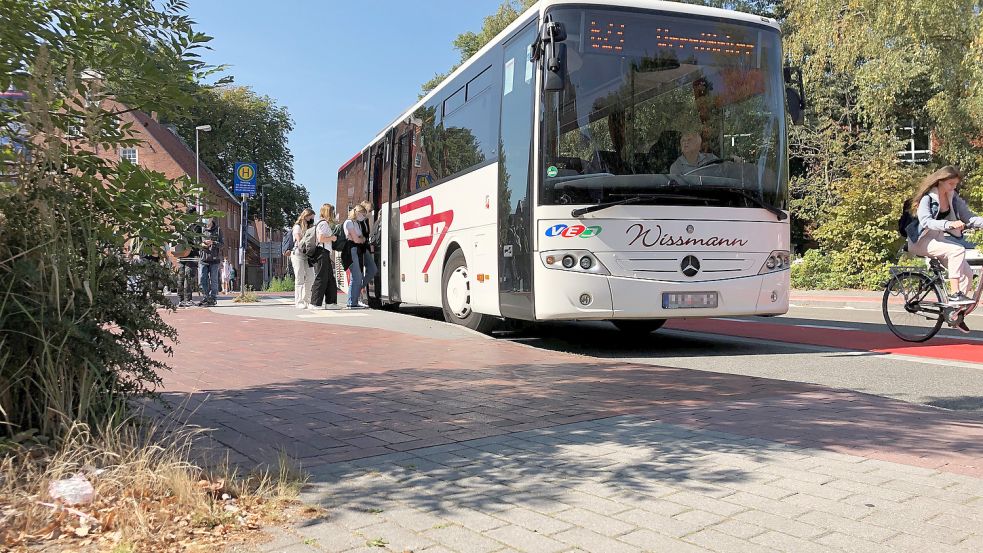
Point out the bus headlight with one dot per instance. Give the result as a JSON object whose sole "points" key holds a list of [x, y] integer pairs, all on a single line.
{"points": [[580, 261], [777, 260]]}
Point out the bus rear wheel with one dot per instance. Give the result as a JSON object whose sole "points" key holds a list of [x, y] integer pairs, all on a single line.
{"points": [[639, 327], [456, 296]]}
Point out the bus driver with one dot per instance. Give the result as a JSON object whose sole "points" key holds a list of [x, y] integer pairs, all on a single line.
{"points": [[692, 158]]}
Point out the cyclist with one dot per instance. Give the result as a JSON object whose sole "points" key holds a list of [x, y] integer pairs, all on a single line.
{"points": [[941, 216]]}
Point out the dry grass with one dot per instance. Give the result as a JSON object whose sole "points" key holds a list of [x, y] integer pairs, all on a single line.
{"points": [[149, 496], [247, 296]]}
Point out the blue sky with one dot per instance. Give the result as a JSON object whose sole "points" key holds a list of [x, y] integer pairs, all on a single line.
{"points": [[342, 69]]}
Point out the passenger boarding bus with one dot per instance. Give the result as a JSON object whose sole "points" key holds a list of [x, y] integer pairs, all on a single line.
{"points": [[606, 160]]}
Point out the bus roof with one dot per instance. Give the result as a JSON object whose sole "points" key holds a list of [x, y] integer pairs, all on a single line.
{"points": [[542, 6]]}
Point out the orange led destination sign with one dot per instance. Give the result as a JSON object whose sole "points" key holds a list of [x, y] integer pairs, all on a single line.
{"points": [[606, 36], [706, 42]]}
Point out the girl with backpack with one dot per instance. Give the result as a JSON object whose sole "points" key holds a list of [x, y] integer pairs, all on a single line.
{"points": [[303, 272], [325, 288]]}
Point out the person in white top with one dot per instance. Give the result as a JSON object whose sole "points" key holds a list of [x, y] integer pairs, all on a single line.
{"points": [[303, 272], [225, 275], [325, 290], [353, 256]]}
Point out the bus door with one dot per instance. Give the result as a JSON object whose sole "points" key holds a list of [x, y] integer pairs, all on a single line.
{"points": [[376, 291], [398, 189], [515, 213]]}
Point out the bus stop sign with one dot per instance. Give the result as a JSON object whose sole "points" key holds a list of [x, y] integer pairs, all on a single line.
{"points": [[244, 180]]}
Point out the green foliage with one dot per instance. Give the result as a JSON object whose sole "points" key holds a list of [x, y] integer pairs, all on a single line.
{"points": [[247, 127], [871, 68], [78, 318], [285, 284]]}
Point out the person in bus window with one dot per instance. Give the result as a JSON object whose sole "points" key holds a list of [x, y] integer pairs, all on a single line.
{"points": [[692, 157]]}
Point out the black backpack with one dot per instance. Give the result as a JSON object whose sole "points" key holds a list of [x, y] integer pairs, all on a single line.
{"points": [[341, 241], [905, 219], [287, 244]]}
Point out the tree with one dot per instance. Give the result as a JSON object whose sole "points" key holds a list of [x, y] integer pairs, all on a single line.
{"points": [[77, 317], [870, 68], [253, 128], [468, 43]]}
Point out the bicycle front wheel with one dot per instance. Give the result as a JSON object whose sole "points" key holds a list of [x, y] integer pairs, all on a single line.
{"points": [[912, 306]]}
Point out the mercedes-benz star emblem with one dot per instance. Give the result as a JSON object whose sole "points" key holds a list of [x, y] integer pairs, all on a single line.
{"points": [[690, 265]]}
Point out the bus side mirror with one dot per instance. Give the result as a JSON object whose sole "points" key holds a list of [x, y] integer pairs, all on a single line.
{"points": [[795, 94], [556, 61], [549, 48]]}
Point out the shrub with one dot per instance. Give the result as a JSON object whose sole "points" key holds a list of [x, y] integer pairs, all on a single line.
{"points": [[285, 284], [78, 318]]}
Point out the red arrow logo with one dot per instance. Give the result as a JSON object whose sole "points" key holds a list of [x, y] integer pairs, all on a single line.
{"points": [[445, 217]]}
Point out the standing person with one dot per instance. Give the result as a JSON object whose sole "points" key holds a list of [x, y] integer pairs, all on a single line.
{"points": [[325, 287], [210, 265], [233, 278], [941, 218], [352, 255], [187, 268], [303, 272], [368, 253], [225, 275]]}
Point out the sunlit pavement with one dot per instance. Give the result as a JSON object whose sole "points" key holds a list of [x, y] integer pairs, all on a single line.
{"points": [[436, 439]]}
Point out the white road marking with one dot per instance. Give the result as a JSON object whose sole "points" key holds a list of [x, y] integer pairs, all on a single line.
{"points": [[826, 327], [332, 313]]}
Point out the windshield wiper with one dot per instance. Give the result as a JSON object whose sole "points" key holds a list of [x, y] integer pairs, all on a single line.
{"points": [[751, 198], [631, 200]]}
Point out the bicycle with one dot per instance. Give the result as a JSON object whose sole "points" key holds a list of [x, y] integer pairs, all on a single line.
{"points": [[915, 303]]}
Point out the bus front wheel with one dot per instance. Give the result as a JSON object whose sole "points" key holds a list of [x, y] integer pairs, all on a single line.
{"points": [[456, 296], [636, 327]]}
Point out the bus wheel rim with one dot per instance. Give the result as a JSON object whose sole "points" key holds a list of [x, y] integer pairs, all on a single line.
{"points": [[459, 293]]}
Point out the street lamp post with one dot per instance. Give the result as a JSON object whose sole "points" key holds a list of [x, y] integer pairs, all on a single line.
{"points": [[204, 128]]}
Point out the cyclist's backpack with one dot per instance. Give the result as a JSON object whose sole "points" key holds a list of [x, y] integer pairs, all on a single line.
{"points": [[287, 244], [905, 219]]}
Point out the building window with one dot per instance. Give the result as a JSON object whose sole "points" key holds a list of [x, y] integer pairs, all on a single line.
{"points": [[129, 154], [418, 161]]}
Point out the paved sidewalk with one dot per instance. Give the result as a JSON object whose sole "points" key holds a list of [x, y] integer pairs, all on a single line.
{"points": [[471, 444]]}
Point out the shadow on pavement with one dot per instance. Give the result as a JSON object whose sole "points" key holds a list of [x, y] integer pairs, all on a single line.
{"points": [[359, 415]]}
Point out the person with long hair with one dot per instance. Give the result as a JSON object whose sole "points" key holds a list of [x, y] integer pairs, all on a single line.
{"points": [[352, 257], [941, 217], [325, 286], [303, 272]]}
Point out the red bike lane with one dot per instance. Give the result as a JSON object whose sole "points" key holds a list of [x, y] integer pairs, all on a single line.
{"points": [[938, 348]]}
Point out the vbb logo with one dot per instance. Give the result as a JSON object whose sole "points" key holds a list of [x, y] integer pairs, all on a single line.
{"points": [[569, 231]]}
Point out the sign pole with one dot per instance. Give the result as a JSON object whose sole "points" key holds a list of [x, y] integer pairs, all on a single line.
{"points": [[262, 203], [244, 182], [242, 244]]}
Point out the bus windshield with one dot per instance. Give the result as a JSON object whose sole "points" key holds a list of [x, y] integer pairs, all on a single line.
{"points": [[665, 110]]}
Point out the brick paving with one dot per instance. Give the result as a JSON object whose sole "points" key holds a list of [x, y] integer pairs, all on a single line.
{"points": [[472, 444]]}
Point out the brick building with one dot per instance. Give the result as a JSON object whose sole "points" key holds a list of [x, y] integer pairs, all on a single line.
{"points": [[162, 150]]}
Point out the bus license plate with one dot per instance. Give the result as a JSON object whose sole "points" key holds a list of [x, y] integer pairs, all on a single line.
{"points": [[689, 300]]}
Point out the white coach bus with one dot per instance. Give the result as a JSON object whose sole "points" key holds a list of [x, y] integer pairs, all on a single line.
{"points": [[622, 161]]}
